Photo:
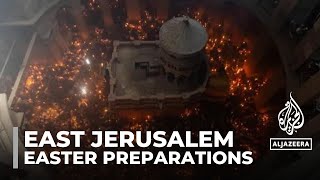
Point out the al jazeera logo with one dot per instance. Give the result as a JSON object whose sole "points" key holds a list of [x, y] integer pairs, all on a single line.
{"points": [[291, 119]]}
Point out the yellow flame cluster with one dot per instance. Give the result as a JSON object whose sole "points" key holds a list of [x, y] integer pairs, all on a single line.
{"points": [[145, 29], [72, 94]]}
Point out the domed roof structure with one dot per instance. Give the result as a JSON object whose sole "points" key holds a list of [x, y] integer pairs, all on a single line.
{"points": [[183, 36]]}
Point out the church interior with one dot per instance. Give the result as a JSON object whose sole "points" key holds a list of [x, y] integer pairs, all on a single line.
{"points": [[231, 66]]}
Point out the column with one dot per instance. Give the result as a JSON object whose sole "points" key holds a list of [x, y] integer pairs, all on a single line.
{"points": [[107, 15], [133, 10], [59, 39], [55, 51], [76, 11], [162, 8]]}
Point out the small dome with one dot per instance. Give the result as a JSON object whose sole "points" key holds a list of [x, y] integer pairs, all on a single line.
{"points": [[183, 36]]}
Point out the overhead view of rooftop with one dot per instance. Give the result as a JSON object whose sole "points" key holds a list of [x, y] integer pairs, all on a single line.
{"points": [[172, 68], [171, 65]]}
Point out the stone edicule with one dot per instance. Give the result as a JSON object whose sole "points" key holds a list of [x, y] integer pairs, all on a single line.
{"points": [[137, 73]]}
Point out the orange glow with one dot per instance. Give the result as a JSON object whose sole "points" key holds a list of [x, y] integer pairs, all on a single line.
{"points": [[53, 93]]}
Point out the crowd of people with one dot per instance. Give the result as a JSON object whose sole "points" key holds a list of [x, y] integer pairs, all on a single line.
{"points": [[72, 93]]}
